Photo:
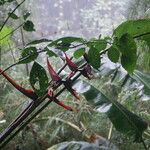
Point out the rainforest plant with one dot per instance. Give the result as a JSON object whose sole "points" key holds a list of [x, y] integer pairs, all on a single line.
{"points": [[84, 60]]}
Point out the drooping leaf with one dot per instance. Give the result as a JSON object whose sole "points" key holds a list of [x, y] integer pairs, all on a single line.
{"points": [[78, 53], [122, 119], [13, 16], [28, 54], [113, 54], [94, 57], [144, 79], [38, 79], [26, 15], [39, 41], [28, 26], [65, 42], [5, 31], [127, 47], [133, 27]]}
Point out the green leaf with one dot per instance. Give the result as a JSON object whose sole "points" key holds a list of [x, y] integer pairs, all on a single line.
{"points": [[28, 55], [38, 79], [39, 41], [79, 52], [7, 40], [144, 79], [94, 57], [133, 27], [13, 16], [127, 47], [26, 15], [65, 42], [28, 26], [98, 44], [113, 54], [122, 119]]}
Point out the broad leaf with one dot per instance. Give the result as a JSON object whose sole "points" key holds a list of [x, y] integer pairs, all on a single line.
{"points": [[128, 49], [38, 79], [99, 44], [28, 26], [94, 57], [113, 54], [122, 119], [78, 53], [28, 54], [133, 27]]}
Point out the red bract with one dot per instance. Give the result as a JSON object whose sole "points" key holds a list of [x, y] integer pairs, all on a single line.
{"points": [[27, 92], [53, 74], [63, 105], [51, 96], [71, 64], [67, 84], [87, 71]]}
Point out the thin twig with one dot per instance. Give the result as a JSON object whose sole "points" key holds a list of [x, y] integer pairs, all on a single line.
{"points": [[11, 14]]}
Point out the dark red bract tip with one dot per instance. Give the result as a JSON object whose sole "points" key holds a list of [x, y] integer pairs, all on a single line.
{"points": [[53, 74]]}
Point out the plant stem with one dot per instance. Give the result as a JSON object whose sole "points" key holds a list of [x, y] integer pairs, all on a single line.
{"points": [[11, 14]]}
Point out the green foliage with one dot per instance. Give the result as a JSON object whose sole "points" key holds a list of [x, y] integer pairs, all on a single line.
{"points": [[2, 2], [127, 47], [133, 27], [94, 57], [123, 120], [13, 16], [28, 55], [113, 54], [79, 52], [28, 26], [7, 40], [38, 79]]}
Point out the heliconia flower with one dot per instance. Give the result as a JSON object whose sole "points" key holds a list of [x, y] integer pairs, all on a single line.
{"points": [[71, 64], [67, 84], [53, 74], [27, 92], [51, 96]]}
